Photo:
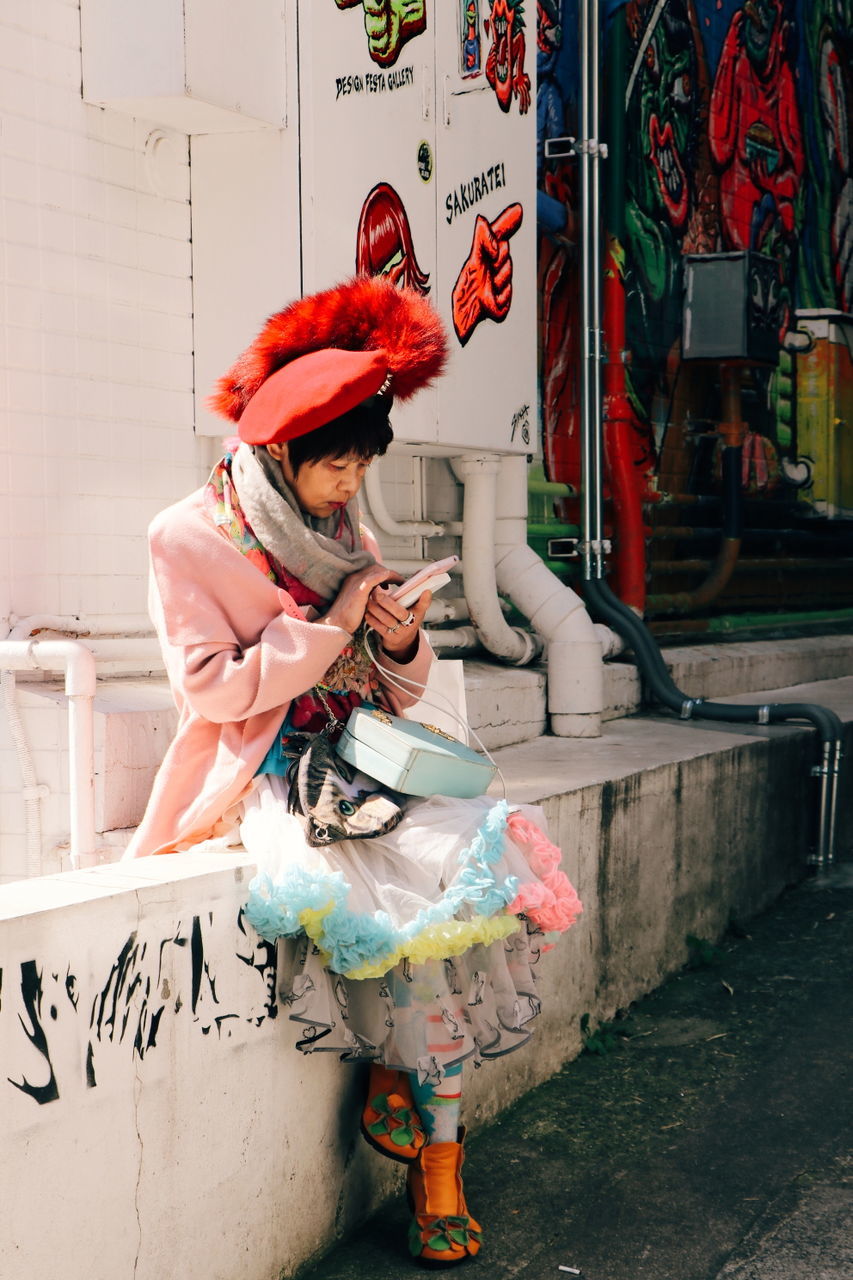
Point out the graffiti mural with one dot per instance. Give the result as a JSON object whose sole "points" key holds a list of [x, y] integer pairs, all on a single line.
{"points": [[471, 59], [389, 25], [672, 190], [483, 288], [826, 278], [384, 244], [737, 118], [505, 60], [557, 276]]}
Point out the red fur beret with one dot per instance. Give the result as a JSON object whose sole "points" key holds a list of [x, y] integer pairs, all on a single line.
{"points": [[366, 314], [309, 392]]}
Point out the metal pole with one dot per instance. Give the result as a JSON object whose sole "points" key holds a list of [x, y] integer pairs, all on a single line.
{"points": [[590, 152], [595, 293]]}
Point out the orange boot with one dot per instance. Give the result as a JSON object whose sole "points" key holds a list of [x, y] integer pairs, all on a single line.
{"points": [[389, 1121], [442, 1231]]}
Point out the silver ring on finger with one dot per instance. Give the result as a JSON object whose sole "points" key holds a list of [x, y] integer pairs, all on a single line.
{"points": [[396, 627], [407, 622]]}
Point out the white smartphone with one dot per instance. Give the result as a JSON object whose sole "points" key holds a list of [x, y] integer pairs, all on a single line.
{"points": [[431, 578]]}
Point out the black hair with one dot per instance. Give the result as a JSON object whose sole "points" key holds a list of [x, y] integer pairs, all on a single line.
{"points": [[364, 431]]}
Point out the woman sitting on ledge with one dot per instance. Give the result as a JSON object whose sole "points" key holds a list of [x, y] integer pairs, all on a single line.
{"points": [[417, 923]]}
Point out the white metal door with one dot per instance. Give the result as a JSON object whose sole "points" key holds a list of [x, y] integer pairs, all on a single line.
{"points": [[366, 90], [486, 223]]}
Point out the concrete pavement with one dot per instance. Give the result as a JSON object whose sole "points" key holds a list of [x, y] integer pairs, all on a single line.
{"points": [[711, 1140]]}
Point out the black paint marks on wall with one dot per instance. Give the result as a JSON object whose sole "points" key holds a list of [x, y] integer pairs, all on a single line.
{"points": [[32, 995], [148, 983]]}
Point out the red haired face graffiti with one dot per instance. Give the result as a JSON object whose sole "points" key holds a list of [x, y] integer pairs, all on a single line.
{"points": [[384, 244]]}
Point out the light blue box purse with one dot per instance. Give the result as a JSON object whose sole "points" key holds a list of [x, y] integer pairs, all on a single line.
{"points": [[412, 758]]}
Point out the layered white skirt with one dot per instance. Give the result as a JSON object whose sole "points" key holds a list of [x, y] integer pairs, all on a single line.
{"points": [[418, 948]]}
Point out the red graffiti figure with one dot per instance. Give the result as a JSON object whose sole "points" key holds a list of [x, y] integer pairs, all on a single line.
{"points": [[754, 128], [505, 62], [483, 289]]}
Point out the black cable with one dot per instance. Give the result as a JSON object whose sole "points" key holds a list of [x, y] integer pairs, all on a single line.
{"points": [[608, 608]]}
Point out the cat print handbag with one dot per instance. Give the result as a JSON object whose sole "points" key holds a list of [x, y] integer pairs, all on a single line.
{"points": [[334, 800], [412, 758]]}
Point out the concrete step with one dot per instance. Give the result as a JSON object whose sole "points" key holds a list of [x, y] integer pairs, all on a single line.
{"points": [[506, 706]]}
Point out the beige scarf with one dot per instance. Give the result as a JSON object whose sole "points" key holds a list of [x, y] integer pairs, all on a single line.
{"points": [[321, 553]]}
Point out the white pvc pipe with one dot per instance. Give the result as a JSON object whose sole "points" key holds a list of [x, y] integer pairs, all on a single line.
{"points": [[32, 792], [80, 714], [384, 519], [455, 639], [447, 609], [479, 473], [78, 664], [574, 645]]}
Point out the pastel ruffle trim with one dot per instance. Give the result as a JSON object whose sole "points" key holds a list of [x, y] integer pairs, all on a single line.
{"points": [[551, 901], [365, 945], [436, 942]]}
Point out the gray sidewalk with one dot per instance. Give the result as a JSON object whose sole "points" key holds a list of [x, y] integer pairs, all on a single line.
{"points": [[711, 1141]]}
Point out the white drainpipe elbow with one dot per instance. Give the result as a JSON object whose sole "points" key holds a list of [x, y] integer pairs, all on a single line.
{"points": [[612, 644], [479, 474], [386, 522], [573, 647]]}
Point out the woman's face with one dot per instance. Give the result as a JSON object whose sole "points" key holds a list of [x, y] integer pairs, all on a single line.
{"points": [[322, 487]]}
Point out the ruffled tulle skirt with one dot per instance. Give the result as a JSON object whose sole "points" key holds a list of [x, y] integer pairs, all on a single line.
{"points": [[418, 948]]}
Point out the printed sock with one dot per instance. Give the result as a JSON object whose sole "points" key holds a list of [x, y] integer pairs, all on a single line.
{"points": [[439, 1105]]}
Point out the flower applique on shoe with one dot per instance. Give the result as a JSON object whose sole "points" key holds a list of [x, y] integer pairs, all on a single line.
{"points": [[389, 1122], [442, 1231]]}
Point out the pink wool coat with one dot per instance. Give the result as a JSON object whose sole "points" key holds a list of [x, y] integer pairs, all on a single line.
{"points": [[237, 649]]}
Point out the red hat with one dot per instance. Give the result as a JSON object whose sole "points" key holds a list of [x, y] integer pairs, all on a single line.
{"points": [[325, 354], [309, 392]]}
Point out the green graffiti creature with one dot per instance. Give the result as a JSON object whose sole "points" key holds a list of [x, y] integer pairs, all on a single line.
{"points": [[389, 25], [672, 193], [826, 255]]}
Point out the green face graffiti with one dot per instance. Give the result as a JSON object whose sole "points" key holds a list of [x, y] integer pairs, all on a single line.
{"points": [[667, 107], [389, 25], [826, 259]]}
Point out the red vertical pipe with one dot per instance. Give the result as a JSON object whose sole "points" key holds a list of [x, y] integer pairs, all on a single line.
{"points": [[628, 563]]}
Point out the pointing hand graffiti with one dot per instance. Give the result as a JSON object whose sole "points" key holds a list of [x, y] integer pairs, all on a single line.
{"points": [[483, 289]]}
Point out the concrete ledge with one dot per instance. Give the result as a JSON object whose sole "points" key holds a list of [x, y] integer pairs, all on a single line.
{"points": [[135, 719], [146, 1061]]}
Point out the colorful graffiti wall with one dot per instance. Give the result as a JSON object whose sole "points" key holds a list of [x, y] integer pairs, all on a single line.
{"points": [[736, 121]]}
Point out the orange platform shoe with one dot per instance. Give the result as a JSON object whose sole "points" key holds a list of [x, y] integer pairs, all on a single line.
{"points": [[442, 1231], [389, 1121]]}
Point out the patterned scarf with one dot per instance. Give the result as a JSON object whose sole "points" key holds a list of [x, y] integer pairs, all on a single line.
{"points": [[352, 678]]}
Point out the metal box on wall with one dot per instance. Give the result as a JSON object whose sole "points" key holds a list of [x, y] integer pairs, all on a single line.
{"points": [[732, 307]]}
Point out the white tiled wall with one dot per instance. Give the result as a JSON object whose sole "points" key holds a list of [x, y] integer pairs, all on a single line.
{"points": [[96, 327], [96, 370]]}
